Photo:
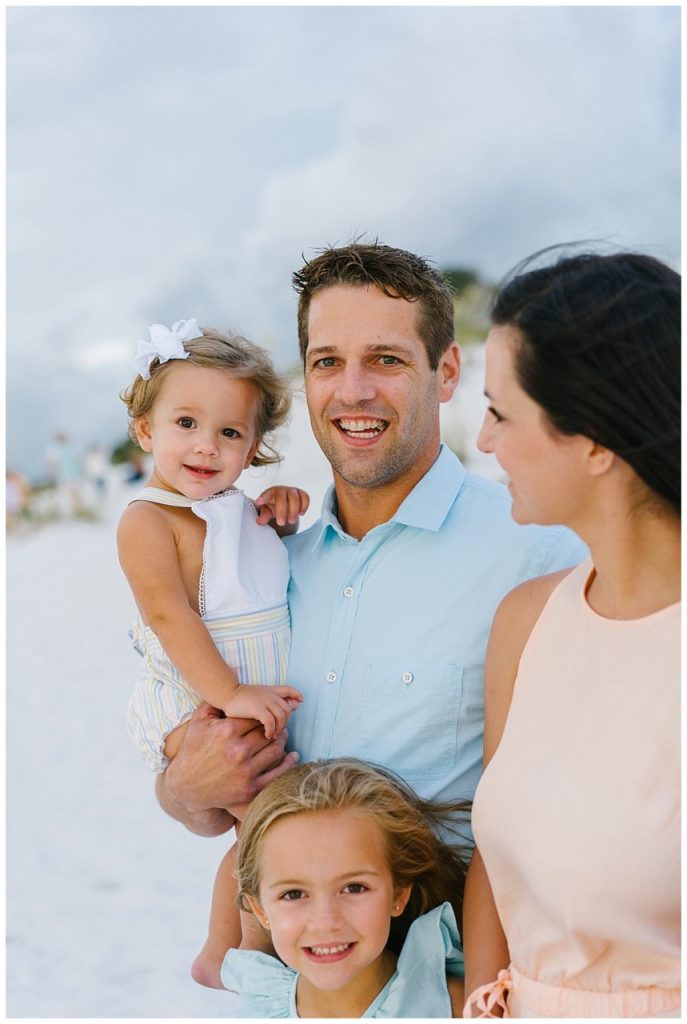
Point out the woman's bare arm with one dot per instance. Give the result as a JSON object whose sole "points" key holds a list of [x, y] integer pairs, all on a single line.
{"points": [[486, 950]]}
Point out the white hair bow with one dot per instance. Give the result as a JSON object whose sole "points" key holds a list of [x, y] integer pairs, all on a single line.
{"points": [[165, 343]]}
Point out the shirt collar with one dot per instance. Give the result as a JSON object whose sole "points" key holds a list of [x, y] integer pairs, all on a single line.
{"points": [[425, 507], [432, 497]]}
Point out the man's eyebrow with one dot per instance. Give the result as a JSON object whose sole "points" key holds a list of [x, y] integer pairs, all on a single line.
{"points": [[320, 349], [388, 346]]}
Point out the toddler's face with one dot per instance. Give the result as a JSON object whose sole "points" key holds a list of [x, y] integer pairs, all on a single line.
{"points": [[201, 430], [328, 895]]}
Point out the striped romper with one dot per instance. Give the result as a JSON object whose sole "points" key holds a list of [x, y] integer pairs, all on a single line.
{"points": [[242, 601]]}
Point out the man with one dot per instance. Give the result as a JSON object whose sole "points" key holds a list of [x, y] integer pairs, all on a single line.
{"points": [[393, 590]]}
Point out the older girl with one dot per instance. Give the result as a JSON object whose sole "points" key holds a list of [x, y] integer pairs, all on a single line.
{"points": [[342, 866], [573, 896]]}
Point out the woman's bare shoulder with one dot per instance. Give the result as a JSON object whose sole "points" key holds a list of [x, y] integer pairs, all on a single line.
{"points": [[524, 604]]}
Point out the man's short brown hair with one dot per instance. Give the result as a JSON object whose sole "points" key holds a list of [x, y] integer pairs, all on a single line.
{"points": [[396, 273]]}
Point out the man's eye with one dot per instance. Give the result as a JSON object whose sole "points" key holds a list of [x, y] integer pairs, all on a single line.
{"points": [[388, 360], [326, 362], [230, 432], [186, 422], [293, 894], [355, 888]]}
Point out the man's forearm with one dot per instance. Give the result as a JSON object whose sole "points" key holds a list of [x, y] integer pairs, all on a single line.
{"points": [[212, 822]]}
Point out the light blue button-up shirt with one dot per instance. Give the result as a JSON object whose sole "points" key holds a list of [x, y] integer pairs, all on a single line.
{"points": [[390, 632]]}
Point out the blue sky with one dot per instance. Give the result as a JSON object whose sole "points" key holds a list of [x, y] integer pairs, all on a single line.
{"points": [[169, 162]]}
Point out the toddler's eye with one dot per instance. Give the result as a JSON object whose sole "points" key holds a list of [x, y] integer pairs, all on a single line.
{"points": [[293, 894], [355, 888], [186, 422], [230, 432]]}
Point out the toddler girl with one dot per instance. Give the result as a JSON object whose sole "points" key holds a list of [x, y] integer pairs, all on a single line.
{"points": [[208, 577], [342, 865]]}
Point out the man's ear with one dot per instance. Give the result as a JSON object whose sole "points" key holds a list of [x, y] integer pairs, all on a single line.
{"points": [[401, 897], [259, 912], [142, 428], [448, 371]]}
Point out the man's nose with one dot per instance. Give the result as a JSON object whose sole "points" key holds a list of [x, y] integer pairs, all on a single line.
{"points": [[355, 384]]}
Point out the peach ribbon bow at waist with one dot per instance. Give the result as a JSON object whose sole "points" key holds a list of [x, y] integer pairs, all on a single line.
{"points": [[487, 997]]}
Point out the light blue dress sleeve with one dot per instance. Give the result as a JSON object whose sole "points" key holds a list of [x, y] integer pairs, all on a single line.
{"points": [[432, 950], [266, 987]]}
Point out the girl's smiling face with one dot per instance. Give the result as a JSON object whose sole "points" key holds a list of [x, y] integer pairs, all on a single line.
{"points": [[548, 479], [201, 430], [327, 896]]}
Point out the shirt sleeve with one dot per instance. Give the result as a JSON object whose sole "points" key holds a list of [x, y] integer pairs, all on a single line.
{"points": [[560, 548], [432, 950], [263, 983]]}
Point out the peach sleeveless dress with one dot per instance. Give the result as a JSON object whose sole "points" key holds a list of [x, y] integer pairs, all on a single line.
{"points": [[577, 817]]}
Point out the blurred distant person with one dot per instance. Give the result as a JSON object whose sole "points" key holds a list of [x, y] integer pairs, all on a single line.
{"points": [[65, 473], [16, 497], [95, 467], [95, 464], [137, 465]]}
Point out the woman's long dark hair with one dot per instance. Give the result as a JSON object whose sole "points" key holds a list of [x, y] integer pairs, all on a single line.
{"points": [[600, 353]]}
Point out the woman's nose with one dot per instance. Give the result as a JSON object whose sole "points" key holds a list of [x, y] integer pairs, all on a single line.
{"points": [[484, 438]]}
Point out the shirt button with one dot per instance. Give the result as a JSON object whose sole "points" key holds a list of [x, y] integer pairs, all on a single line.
{"points": [[407, 678], [349, 591], [331, 677]]}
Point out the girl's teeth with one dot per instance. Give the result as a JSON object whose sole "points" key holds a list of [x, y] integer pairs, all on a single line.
{"points": [[328, 950]]}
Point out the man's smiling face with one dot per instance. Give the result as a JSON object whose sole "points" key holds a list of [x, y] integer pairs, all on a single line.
{"points": [[372, 395]]}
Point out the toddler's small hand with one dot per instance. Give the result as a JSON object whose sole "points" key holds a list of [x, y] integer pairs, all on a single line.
{"points": [[281, 505], [270, 705]]}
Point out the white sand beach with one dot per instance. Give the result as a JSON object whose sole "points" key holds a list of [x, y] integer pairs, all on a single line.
{"points": [[107, 898]]}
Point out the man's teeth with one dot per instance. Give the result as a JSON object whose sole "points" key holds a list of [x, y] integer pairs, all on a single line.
{"points": [[328, 950], [363, 428]]}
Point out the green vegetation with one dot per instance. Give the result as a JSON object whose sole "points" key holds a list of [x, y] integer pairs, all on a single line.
{"points": [[472, 300]]}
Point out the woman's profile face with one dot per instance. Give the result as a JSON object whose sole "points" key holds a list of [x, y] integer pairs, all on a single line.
{"points": [[546, 470]]}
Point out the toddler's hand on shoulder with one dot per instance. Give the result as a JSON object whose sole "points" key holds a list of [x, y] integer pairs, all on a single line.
{"points": [[281, 506]]}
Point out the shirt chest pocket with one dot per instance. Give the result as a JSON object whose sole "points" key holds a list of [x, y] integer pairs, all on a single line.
{"points": [[409, 717]]}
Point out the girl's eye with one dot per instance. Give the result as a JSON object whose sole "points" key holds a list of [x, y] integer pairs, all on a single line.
{"points": [[494, 413], [186, 422], [293, 894], [230, 432], [355, 888]]}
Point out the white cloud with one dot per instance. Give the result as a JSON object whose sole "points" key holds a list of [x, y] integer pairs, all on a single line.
{"points": [[176, 161]]}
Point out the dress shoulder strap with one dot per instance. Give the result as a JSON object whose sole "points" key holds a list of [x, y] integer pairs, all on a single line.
{"points": [[161, 497]]}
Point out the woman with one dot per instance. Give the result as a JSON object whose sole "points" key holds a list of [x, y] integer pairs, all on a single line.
{"points": [[572, 899]]}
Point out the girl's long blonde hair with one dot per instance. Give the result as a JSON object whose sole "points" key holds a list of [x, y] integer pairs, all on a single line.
{"points": [[416, 855], [222, 350]]}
